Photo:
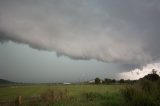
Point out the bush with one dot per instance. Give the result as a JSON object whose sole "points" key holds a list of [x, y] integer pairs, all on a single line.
{"points": [[128, 93], [52, 96], [143, 93], [147, 86]]}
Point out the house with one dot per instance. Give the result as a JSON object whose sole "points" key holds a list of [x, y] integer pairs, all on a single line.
{"points": [[66, 83], [91, 81]]}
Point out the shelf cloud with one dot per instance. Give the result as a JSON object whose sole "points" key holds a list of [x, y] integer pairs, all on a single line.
{"points": [[125, 31]]}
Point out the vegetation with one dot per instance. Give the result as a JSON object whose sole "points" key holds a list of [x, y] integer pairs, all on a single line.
{"points": [[144, 92], [152, 77], [109, 81], [63, 95], [2, 81], [97, 81]]}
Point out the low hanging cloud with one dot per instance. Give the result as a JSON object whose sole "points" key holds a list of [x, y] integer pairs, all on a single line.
{"points": [[119, 31]]}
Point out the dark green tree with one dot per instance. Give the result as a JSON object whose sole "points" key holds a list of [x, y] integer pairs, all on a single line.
{"points": [[97, 80], [107, 81], [153, 76], [121, 80]]}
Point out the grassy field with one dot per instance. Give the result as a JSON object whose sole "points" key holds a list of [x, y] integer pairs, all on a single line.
{"points": [[70, 95], [143, 92]]}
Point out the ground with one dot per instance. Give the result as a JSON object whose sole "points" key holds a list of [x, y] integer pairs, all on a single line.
{"points": [[81, 95]]}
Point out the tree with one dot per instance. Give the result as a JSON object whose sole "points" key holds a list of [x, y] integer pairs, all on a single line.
{"points": [[121, 80], [154, 71], [97, 80], [113, 80], [152, 77], [107, 81]]}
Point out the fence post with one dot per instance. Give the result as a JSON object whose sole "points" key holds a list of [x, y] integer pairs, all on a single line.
{"points": [[19, 100]]}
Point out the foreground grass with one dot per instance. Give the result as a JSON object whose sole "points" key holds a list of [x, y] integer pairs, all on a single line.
{"points": [[142, 93], [77, 95]]}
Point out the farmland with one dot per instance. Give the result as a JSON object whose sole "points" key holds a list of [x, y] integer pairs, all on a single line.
{"points": [[143, 92], [107, 92], [80, 95]]}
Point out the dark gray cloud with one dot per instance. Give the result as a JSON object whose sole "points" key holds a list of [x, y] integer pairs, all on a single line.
{"points": [[119, 31]]}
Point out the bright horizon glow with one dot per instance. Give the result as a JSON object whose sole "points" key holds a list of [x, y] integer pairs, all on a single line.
{"points": [[139, 73]]}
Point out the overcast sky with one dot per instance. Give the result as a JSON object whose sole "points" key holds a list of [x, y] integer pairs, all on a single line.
{"points": [[77, 40]]}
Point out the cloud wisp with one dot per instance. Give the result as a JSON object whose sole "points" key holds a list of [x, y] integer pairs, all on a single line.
{"points": [[125, 32]]}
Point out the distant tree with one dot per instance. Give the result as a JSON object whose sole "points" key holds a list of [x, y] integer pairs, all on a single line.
{"points": [[107, 81], [97, 80], [121, 80], [113, 80], [152, 77], [154, 71], [128, 81]]}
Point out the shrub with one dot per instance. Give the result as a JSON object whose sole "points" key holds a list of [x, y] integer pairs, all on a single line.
{"points": [[143, 93], [52, 96], [147, 86], [128, 92]]}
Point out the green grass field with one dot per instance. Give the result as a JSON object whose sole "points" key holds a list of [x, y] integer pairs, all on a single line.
{"points": [[79, 95]]}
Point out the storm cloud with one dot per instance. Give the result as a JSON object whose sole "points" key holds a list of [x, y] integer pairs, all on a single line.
{"points": [[119, 31]]}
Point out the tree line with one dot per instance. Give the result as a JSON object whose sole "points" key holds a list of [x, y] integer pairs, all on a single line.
{"points": [[153, 77]]}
